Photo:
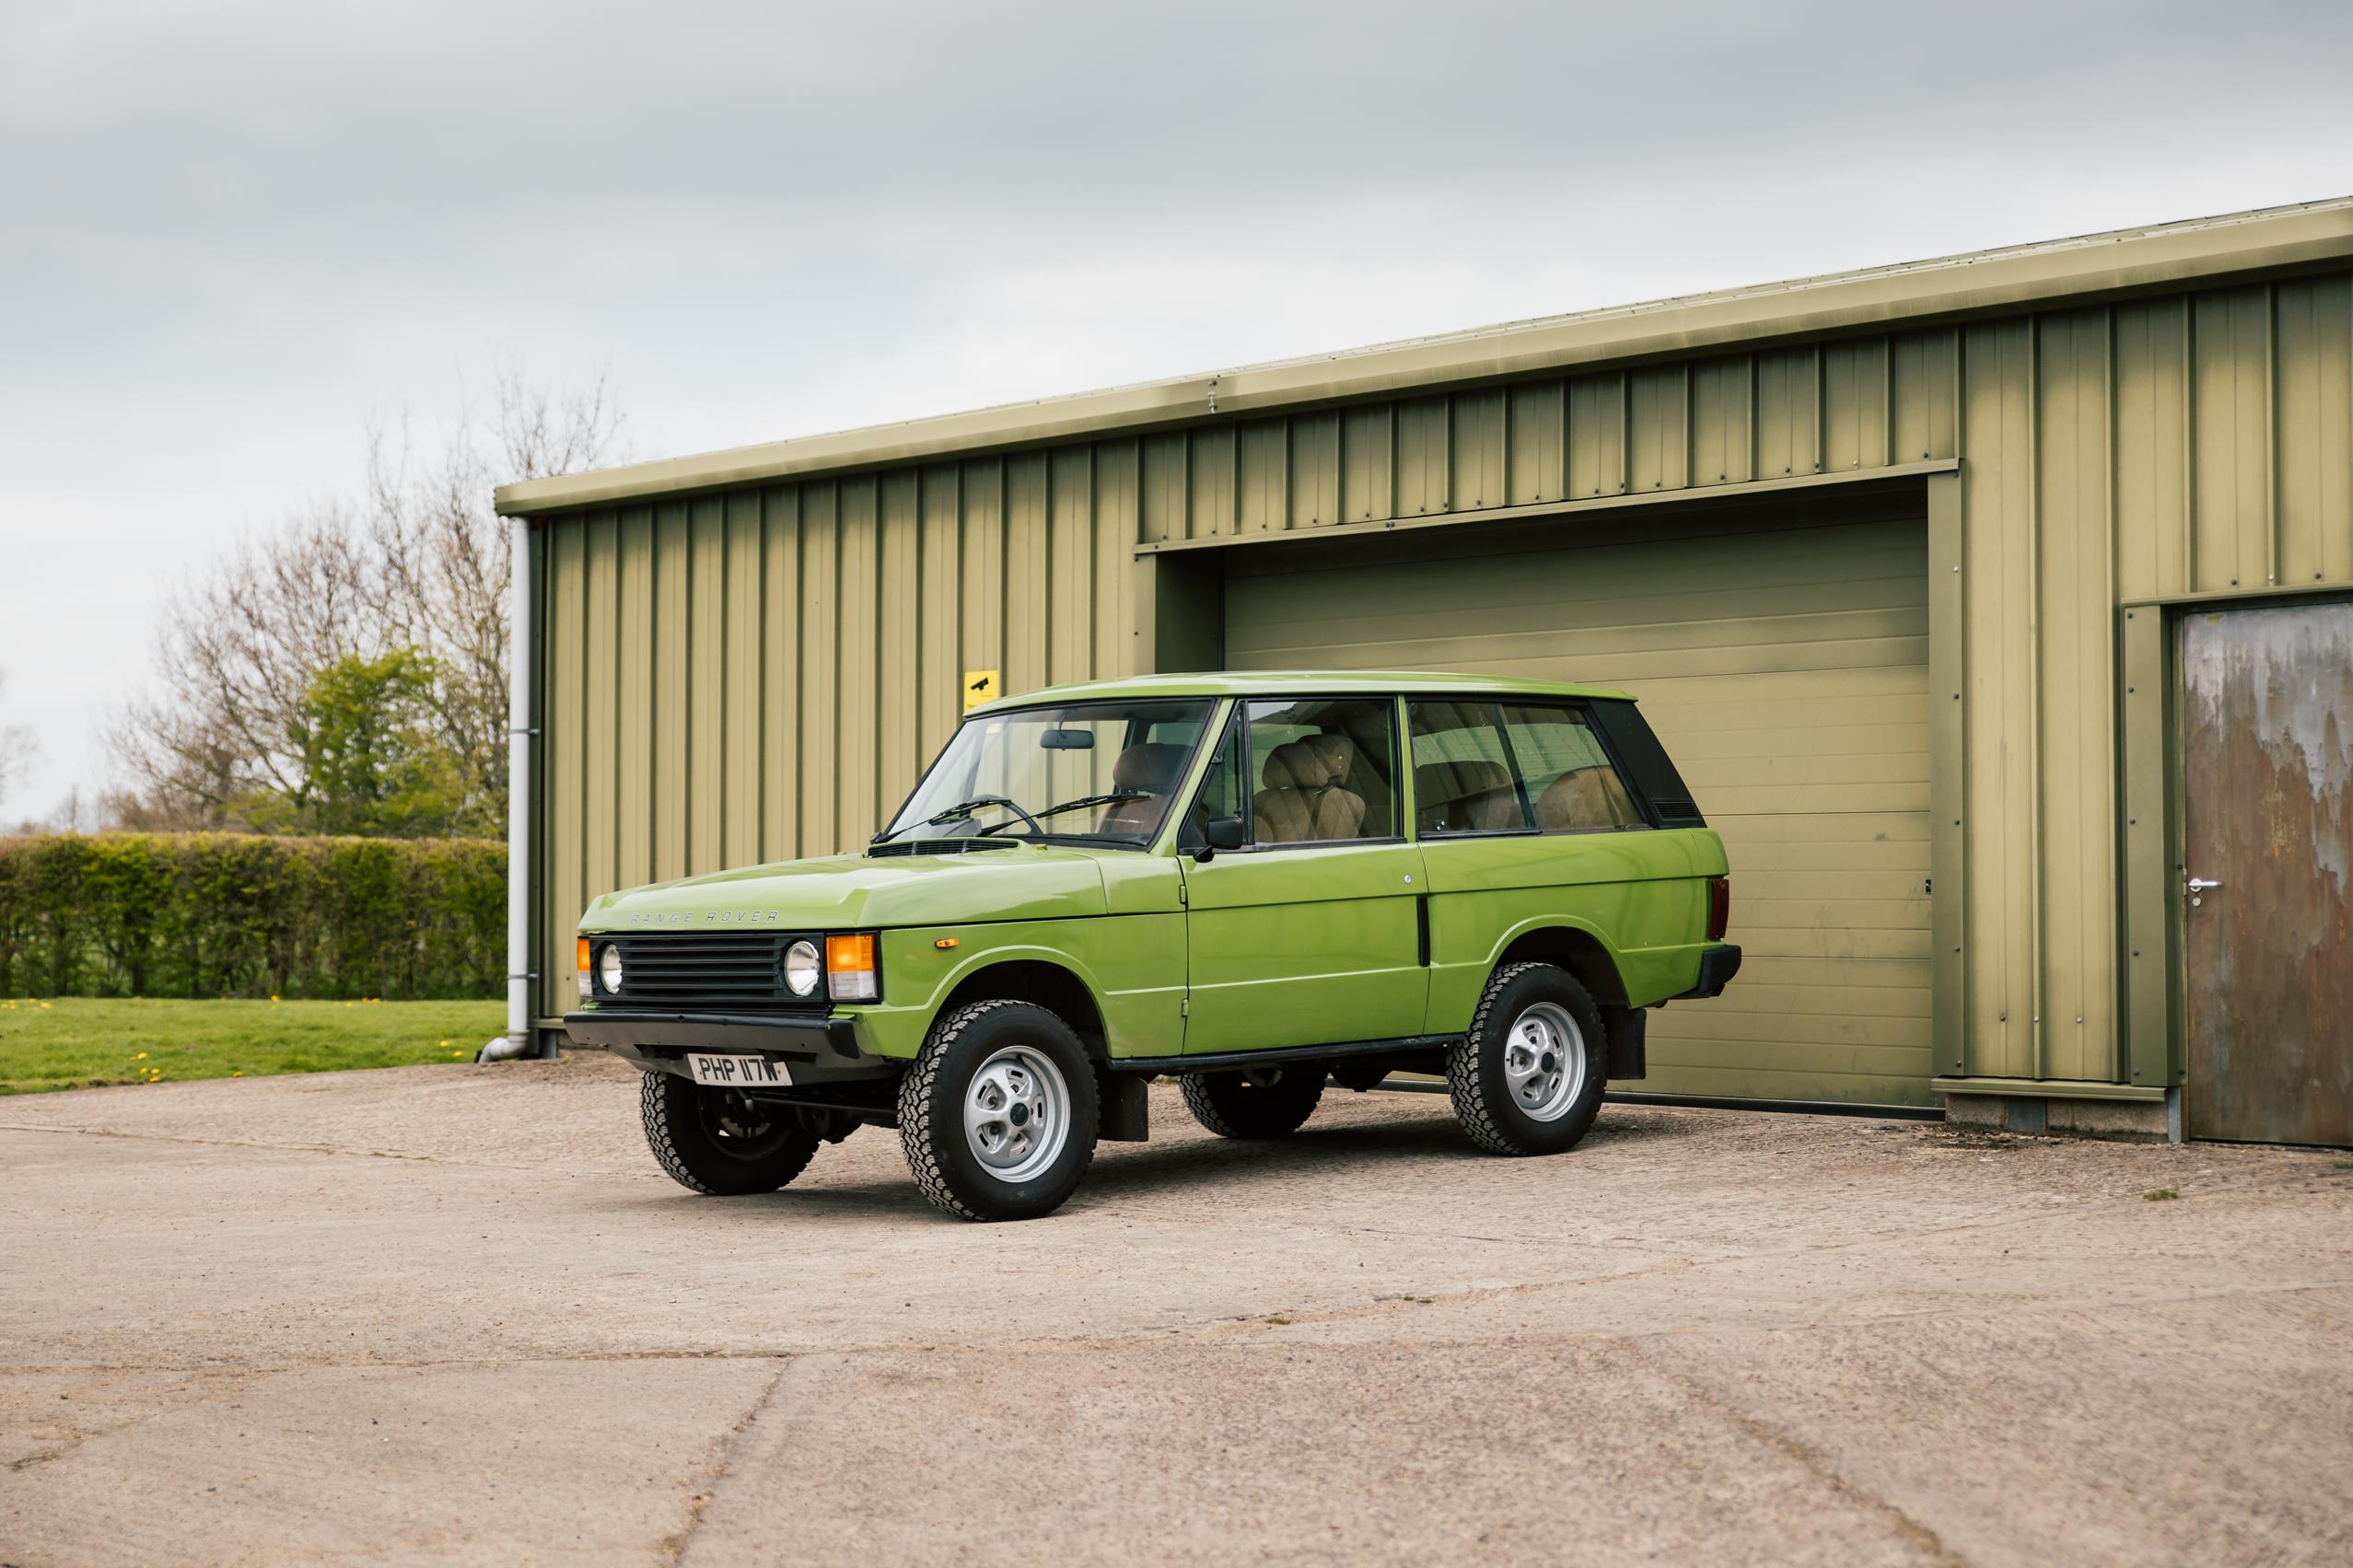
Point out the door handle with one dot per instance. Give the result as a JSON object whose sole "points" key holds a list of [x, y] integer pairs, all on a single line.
{"points": [[2198, 885]]}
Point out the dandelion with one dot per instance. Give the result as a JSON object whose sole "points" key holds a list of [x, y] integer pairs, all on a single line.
{"points": [[274, 997], [239, 1074], [141, 1057], [44, 1006]]}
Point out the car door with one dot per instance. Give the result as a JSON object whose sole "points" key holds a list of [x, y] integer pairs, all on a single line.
{"points": [[1311, 933]]}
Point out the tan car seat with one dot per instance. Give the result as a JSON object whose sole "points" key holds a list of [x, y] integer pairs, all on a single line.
{"points": [[1151, 766], [1465, 797], [1585, 797], [1304, 800]]}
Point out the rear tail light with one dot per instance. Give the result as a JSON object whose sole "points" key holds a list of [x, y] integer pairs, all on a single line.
{"points": [[1719, 908]]}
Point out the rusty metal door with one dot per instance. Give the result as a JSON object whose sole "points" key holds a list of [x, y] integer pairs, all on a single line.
{"points": [[2267, 872]]}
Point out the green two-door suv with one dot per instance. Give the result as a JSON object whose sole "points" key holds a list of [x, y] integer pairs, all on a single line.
{"points": [[1256, 884]]}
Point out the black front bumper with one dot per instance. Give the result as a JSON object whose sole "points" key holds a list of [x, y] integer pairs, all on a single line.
{"points": [[1717, 968], [656, 1039]]}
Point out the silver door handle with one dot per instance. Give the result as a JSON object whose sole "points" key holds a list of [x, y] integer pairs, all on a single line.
{"points": [[2199, 884]]}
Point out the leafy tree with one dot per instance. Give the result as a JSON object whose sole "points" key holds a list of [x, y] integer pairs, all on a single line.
{"points": [[372, 762]]}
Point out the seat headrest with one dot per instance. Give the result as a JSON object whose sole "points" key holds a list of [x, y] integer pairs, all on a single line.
{"points": [[1313, 761], [1335, 753], [1294, 765], [1436, 783], [1587, 798], [1152, 766]]}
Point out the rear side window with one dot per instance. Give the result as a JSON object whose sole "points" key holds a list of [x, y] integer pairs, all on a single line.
{"points": [[1568, 779], [1489, 767]]}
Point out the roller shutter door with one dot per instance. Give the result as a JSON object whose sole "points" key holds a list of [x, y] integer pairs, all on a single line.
{"points": [[1784, 665]]}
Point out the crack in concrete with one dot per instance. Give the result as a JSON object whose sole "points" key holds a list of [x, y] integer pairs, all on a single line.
{"points": [[1223, 1325], [1914, 1531], [259, 1144], [426, 1363], [674, 1547], [221, 1382]]}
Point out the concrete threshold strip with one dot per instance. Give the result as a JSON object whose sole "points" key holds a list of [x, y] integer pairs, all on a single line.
{"points": [[1715, 1102]]}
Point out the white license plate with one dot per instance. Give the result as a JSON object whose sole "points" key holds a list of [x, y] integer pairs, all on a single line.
{"points": [[734, 1072]]}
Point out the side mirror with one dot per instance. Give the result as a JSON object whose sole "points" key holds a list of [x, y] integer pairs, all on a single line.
{"points": [[1224, 832]]}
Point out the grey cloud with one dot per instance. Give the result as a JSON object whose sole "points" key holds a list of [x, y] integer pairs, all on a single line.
{"points": [[227, 231]]}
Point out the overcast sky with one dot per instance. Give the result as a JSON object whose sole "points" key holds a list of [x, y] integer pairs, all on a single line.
{"points": [[229, 234]]}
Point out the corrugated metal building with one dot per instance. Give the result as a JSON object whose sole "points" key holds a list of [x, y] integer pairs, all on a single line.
{"points": [[1903, 563]]}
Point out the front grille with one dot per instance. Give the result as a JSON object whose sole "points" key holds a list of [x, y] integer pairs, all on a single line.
{"points": [[706, 970]]}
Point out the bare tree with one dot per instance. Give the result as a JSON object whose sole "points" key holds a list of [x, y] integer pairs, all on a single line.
{"points": [[421, 562], [18, 750], [447, 569], [235, 656]]}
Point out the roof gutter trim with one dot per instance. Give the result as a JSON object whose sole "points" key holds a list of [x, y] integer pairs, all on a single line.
{"points": [[2126, 262]]}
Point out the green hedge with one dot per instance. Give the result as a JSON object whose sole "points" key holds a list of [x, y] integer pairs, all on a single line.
{"points": [[230, 915]]}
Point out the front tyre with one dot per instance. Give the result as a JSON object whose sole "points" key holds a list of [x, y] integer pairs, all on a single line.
{"points": [[997, 1114], [1257, 1102], [716, 1142], [1528, 1075]]}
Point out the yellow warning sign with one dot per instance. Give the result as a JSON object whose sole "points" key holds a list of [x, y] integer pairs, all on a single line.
{"points": [[980, 685]]}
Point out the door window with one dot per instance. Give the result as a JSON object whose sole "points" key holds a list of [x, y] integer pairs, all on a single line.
{"points": [[1308, 770]]}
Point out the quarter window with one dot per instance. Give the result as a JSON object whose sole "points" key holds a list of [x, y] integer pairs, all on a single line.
{"points": [[1489, 767], [1568, 779]]}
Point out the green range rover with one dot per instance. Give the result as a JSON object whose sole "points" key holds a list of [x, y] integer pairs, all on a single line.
{"points": [[1255, 883]]}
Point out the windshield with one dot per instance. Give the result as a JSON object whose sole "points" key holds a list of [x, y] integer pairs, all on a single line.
{"points": [[1094, 771]]}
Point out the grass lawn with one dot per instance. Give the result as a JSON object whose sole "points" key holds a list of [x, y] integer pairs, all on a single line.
{"points": [[72, 1042]]}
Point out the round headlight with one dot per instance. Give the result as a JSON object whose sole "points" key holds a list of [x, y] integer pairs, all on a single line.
{"points": [[608, 967], [803, 969]]}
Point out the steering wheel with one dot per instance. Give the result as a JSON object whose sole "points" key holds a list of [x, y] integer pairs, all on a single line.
{"points": [[1013, 806]]}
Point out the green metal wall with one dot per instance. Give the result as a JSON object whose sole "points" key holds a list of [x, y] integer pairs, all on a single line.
{"points": [[760, 673]]}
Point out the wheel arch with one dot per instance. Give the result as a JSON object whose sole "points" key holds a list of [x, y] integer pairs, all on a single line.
{"points": [[1626, 1031], [1042, 981], [1574, 948]]}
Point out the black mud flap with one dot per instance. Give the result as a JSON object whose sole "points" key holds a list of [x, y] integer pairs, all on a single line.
{"points": [[1627, 1030], [1123, 1113]]}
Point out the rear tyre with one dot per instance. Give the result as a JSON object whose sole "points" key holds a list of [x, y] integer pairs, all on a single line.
{"points": [[1257, 1102], [716, 1142], [1527, 1077], [998, 1114]]}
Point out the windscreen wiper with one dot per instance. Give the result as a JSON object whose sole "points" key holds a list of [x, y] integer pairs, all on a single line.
{"points": [[958, 813], [1113, 799]]}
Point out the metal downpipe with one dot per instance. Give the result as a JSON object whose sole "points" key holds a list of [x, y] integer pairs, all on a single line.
{"points": [[517, 1041]]}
